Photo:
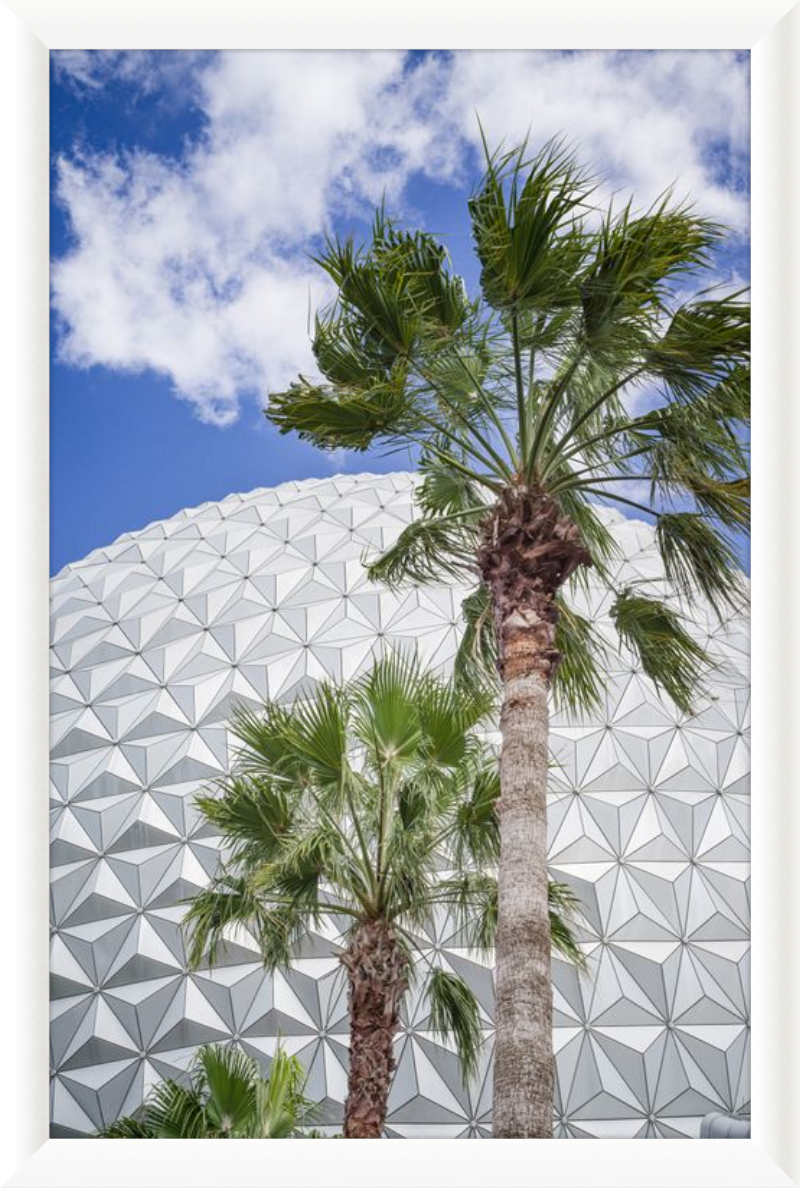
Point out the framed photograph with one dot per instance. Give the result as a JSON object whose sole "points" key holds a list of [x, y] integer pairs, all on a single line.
{"points": [[184, 186]]}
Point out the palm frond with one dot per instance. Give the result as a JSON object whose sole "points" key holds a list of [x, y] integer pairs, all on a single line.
{"points": [[668, 654], [428, 549], [252, 814], [703, 342], [331, 419], [233, 901], [127, 1128], [229, 1078], [177, 1111], [471, 897], [444, 490], [386, 714], [698, 559], [455, 1013], [318, 734], [564, 908], [528, 239], [594, 530], [448, 714], [224, 1096], [226, 903], [728, 502], [281, 1109], [475, 664], [579, 680], [635, 260], [476, 829]]}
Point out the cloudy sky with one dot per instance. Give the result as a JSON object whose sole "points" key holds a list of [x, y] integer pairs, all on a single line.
{"points": [[189, 190]]}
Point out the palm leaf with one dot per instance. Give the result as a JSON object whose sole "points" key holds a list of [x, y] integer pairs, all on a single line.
{"points": [[578, 681], [564, 908], [177, 1111], [674, 661], [455, 1013], [475, 663], [229, 1077], [476, 832], [527, 239], [427, 550], [351, 419], [698, 559], [280, 1105], [127, 1128]]}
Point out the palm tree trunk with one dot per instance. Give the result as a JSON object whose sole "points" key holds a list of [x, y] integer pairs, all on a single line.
{"points": [[523, 1056], [529, 549], [376, 970]]}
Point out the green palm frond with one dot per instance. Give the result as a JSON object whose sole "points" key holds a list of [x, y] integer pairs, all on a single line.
{"points": [[579, 679], [448, 715], [729, 400], [471, 897], [528, 239], [564, 909], [226, 903], [728, 502], [354, 420], [667, 653], [703, 342], [251, 814], [387, 716], [230, 902], [280, 1106], [177, 1111], [127, 1128], [318, 733], [429, 549], [635, 260], [229, 1077], [698, 559], [455, 1013], [444, 491], [476, 659], [266, 751], [476, 833]]}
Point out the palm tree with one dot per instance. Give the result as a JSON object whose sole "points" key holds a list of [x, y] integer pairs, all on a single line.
{"points": [[346, 805], [583, 374], [226, 1097]]}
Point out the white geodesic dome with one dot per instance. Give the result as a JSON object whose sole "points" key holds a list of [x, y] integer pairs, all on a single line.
{"points": [[157, 636]]}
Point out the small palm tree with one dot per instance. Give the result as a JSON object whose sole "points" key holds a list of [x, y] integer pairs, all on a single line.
{"points": [[583, 374], [346, 805], [226, 1097]]}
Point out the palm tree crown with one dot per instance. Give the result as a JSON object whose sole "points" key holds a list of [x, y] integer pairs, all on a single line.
{"points": [[519, 403], [373, 803]]}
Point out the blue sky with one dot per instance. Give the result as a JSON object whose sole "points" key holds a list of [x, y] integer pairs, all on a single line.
{"points": [[189, 188]]}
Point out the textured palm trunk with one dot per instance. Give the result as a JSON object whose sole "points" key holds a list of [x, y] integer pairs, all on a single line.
{"points": [[523, 1057], [529, 550], [377, 972]]}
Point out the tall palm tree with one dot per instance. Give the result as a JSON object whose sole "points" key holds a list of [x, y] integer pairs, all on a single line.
{"points": [[346, 804], [590, 369], [226, 1097]]}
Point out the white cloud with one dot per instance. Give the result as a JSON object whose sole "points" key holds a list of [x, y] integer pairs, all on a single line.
{"points": [[646, 119], [197, 267], [146, 70]]}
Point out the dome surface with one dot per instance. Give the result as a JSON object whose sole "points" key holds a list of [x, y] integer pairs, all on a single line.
{"points": [[156, 637]]}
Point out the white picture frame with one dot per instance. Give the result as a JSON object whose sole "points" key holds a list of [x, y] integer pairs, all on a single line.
{"points": [[770, 29]]}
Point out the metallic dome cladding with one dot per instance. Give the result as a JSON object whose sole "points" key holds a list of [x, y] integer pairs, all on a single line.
{"points": [[158, 635]]}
